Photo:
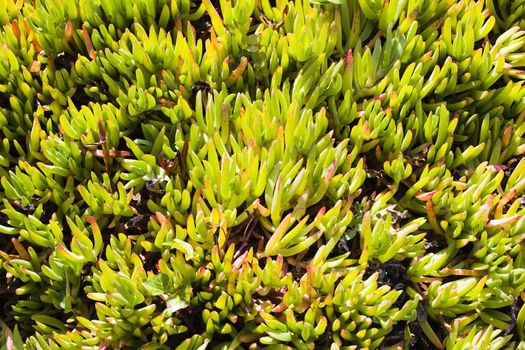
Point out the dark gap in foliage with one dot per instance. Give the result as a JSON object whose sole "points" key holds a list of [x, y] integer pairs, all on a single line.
{"points": [[7, 288], [274, 296], [135, 133], [434, 242], [312, 250], [479, 45], [197, 86], [296, 272], [325, 340], [397, 336], [510, 165], [26, 209], [49, 208], [5, 240], [354, 246], [150, 260], [513, 311], [399, 218], [419, 340], [4, 101], [393, 274], [102, 86], [202, 27], [15, 156], [66, 231], [375, 182], [63, 61], [7, 295], [191, 317], [136, 225], [81, 98], [247, 235], [464, 252]]}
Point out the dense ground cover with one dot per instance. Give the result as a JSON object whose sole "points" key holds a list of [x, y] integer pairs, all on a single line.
{"points": [[239, 174]]}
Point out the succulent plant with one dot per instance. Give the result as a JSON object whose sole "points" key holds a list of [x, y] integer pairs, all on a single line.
{"points": [[289, 174]]}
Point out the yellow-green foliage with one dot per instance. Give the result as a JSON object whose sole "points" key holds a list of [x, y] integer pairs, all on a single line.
{"points": [[289, 174]]}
